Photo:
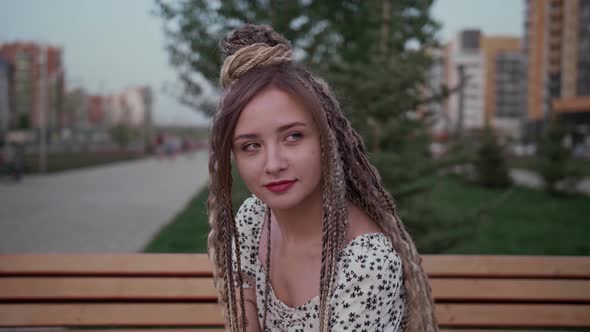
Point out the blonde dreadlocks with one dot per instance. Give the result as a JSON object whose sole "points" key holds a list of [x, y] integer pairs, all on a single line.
{"points": [[256, 57]]}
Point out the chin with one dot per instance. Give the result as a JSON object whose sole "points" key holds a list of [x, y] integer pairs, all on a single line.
{"points": [[280, 201]]}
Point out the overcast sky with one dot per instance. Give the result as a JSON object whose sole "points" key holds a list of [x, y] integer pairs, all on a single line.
{"points": [[113, 44]]}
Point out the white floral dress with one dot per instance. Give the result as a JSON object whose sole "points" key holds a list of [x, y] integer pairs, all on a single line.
{"points": [[368, 296]]}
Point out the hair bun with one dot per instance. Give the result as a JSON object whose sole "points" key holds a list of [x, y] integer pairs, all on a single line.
{"points": [[249, 47], [248, 35]]}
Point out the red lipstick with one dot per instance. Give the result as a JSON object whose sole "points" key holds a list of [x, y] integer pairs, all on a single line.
{"points": [[280, 186]]}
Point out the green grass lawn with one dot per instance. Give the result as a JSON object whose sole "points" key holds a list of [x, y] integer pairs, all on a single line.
{"points": [[187, 232], [521, 221]]}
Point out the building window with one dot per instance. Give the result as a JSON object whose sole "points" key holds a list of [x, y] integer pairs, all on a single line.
{"points": [[509, 73]]}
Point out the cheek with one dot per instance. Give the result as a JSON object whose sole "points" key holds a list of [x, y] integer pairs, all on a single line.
{"points": [[312, 160], [248, 169]]}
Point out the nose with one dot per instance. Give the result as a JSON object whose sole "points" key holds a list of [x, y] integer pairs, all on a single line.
{"points": [[275, 160]]}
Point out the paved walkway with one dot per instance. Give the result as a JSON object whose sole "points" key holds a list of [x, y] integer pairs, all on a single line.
{"points": [[115, 208]]}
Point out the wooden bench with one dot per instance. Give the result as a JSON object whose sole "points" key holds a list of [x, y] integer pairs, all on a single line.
{"points": [[167, 291]]}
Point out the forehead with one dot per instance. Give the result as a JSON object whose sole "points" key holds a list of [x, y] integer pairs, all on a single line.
{"points": [[269, 109]]}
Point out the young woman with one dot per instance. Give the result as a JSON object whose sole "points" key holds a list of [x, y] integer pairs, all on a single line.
{"points": [[319, 244]]}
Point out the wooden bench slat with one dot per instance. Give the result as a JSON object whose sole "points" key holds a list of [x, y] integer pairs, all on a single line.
{"points": [[154, 314], [513, 315], [563, 283], [65, 288], [107, 314], [105, 264], [198, 264], [506, 266], [511, 290]]}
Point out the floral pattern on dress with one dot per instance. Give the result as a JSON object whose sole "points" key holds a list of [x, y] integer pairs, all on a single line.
{"points": [[368, 295]]}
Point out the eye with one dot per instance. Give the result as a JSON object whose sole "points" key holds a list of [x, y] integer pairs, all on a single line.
{"points": [[250, 147], [293, 137]]}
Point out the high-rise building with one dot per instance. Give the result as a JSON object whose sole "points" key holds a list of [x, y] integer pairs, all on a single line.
{"points": [[557, 51], [485, 78], [503, 84], [26, 83], [131, 107]]}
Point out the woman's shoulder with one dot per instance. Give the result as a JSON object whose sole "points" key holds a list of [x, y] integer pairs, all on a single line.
{"points": [[374, 245], [367, 240], [252, 205], [369, 285], [370, 254], [250, 214], [249, 223]]}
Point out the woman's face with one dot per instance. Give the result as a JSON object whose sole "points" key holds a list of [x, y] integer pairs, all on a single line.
{"points": [[276, 144]]}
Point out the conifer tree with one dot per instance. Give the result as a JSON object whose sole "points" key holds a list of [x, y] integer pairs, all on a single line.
{"points": [[553, 158], [375, 56], [490, 164]]}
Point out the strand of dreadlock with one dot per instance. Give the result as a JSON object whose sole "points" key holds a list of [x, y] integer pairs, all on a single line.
{"points": [[267, 281], [326, 240], [236, 238], [387, 201], [415, 260], [338, 220], [231, 232], [229, 284]]}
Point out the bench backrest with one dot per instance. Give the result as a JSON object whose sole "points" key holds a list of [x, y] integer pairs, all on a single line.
{"points": [[176, 290]]}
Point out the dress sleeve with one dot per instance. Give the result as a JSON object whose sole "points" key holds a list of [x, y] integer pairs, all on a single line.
{"points": [[246, 225], [369, 295]]}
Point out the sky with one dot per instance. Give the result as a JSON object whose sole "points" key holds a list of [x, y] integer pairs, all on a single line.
{"points": [[493, 17], [109, 45]]}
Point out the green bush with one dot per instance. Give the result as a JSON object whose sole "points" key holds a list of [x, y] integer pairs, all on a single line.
{"points": [[490, 165], [554, 160]]}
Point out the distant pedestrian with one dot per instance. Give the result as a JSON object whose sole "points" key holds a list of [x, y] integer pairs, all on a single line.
{"points": [[3, 165], [8, 158], [19, 161]]}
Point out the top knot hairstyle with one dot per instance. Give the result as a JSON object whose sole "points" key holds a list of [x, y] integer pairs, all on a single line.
{"points": [[255, 58], [249, 47]]}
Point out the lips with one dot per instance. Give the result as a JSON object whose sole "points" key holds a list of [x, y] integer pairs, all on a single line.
{"points": [[280, 186]]}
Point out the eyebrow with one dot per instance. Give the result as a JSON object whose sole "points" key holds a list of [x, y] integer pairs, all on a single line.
{"points": [[280, 129]]}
